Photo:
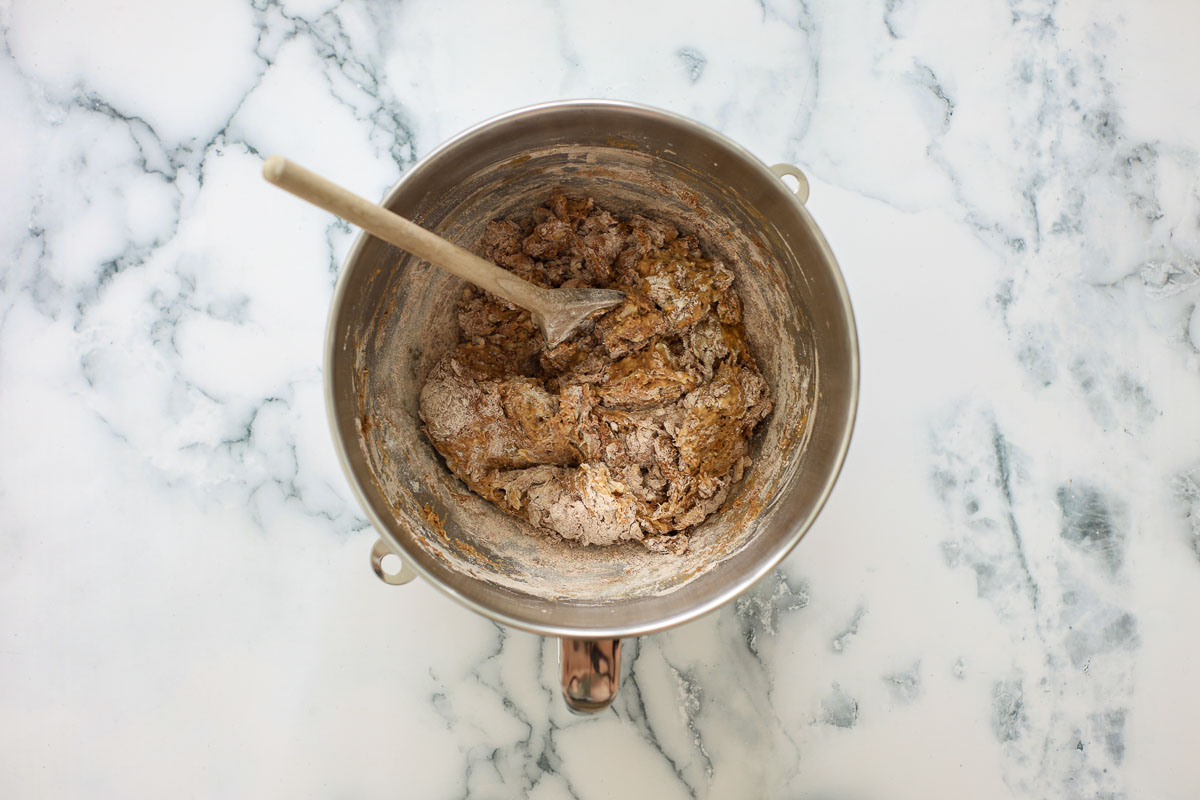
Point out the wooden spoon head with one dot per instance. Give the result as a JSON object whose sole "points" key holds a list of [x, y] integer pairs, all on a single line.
{"points": [[571, 307]]}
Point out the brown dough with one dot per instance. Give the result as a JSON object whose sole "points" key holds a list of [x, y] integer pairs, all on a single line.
{"points": [[634, 429]]}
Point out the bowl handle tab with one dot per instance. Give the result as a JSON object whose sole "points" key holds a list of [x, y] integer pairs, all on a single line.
{"points": [[801, 190], [379, 552]]}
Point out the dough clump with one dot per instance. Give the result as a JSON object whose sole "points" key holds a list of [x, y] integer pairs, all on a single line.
{"points": [[637, 427]]}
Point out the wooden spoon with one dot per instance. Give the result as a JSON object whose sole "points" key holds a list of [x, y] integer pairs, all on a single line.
{"points": [[557, 312]]}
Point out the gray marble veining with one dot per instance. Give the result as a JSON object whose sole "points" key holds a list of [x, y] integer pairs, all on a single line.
{"points": [[996, 602]]}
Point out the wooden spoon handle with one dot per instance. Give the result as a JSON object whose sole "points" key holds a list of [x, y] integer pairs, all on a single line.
{"points": [[403, 233]]}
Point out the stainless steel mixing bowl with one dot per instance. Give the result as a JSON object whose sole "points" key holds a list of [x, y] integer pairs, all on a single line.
{"points": [[393, 318]]}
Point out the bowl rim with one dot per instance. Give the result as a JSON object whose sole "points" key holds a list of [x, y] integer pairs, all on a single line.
{"points": [[743, 582]]}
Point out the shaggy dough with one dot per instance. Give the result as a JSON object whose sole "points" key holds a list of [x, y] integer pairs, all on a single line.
{"points": [[634, 429]]}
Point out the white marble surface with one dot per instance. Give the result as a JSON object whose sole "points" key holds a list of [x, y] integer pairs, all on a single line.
{"points": [[999, 601]]}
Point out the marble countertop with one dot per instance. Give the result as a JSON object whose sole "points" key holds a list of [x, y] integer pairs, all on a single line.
{"points": [[998, 601]]}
